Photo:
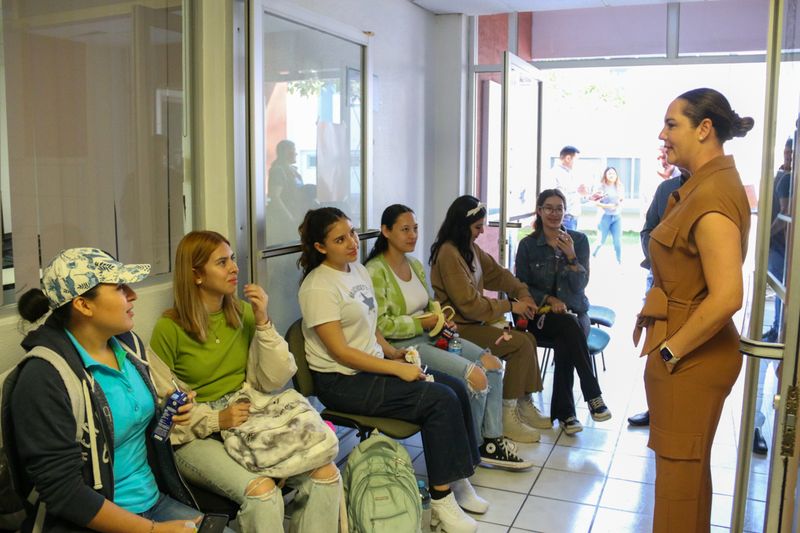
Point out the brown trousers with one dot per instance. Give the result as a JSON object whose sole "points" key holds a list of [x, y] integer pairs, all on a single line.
{"points": [[685, 409], [522, 365]]}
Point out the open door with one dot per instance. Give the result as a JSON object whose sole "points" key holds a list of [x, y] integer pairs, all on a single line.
{"points": [[511, 156]]}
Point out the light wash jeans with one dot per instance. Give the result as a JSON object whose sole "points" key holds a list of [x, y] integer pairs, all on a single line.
{"points": [[167, 509], [486, 405], [205, 462]]}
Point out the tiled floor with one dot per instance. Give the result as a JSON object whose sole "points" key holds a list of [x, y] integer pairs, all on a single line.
{"points": [[601, 480]]}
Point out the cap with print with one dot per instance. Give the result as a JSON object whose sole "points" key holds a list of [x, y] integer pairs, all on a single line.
{"points": [[78, 270]]}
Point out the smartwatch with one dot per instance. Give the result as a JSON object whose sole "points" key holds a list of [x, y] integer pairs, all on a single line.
{"points": [[667, 355]]}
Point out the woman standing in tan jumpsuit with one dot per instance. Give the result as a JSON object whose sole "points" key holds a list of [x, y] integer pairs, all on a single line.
{"points": [[692, 345]]}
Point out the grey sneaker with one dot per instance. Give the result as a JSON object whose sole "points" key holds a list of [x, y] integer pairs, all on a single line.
{"points": [[531, 415], [571, 425], [515, 429], [599, 410]]}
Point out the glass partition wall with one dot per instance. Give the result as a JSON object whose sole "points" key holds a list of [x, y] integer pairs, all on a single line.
{"points": [[307, 132], [91, 133]]}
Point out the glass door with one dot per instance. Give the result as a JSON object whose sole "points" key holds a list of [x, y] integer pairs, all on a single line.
{"points": [[512, 166], [765, 493]]}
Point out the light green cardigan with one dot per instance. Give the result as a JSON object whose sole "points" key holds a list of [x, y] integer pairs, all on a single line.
{"points": [[394, 322]]}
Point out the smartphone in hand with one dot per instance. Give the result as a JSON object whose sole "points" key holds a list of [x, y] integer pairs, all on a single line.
{"points": [[213, 523]]}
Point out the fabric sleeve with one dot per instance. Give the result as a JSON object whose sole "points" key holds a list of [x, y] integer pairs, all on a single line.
{"points": [[523, 264], [46, 443], [460, 288], [578, 279], [391, 325], [270, 364], [651, 219], [319, 306], [164, 346], [497, 278]]}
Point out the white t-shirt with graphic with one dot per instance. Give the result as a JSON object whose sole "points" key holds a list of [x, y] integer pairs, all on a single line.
{"points": [[329, 295]]}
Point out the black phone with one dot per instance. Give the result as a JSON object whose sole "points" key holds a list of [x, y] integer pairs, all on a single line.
{"points": [[213, 523]]}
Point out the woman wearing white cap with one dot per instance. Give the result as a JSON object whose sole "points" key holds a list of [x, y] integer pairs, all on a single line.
{"points": [[114, 476]]}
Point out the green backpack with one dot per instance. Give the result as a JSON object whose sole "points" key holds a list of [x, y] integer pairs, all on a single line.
{"points": [[381, 489]]}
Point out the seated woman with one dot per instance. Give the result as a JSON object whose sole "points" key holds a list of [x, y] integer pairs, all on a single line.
{"points": [[460, 271], [554, 263], [402, 294], [79, 487], [216, 344], [355, 370]]}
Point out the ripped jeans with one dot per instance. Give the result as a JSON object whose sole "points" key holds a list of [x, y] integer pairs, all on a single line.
{"points": [[205, 462], [486, 405]]}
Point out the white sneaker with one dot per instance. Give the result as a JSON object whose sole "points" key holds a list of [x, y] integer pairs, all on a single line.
{"points": [[515, 429], [447, 516], [531, 415], [467, 498]]}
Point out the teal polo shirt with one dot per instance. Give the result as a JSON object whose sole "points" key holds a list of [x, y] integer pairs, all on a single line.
{"points": [[132, 408]]}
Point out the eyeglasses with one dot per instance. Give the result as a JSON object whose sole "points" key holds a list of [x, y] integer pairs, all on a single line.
{"points": [[549, 209]]}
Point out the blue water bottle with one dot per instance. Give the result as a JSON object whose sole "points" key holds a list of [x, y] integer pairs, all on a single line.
{"points": [[454, 346], [425, 498]]}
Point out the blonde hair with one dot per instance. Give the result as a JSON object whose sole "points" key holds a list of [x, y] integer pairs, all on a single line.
{"points": [[188, 312]]}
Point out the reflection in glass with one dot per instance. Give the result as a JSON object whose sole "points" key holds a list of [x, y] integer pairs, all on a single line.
{"points": [[93, 103], [312, 132], [281, 277]]}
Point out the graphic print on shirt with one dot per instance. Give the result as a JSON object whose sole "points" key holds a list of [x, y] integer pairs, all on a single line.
{"points": [[364, 296]]}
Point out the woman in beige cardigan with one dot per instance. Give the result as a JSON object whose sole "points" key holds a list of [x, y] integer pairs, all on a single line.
{"points": [[460, 271]]}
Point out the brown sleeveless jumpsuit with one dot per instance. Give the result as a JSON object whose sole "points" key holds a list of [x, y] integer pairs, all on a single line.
{"points": [[685, 406]]}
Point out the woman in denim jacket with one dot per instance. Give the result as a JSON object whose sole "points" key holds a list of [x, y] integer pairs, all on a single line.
{"points": [[554, 263]]}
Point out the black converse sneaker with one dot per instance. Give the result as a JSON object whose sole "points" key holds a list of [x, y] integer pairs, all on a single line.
{"points": [[599, 410], [501, 452]]}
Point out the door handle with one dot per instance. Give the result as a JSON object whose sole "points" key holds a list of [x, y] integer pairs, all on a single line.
{"points": [[761, 349]]}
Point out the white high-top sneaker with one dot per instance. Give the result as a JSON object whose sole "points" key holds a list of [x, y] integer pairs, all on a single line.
{"points": [[513, 426], [467, 498], [531, 415], [447, 516]]}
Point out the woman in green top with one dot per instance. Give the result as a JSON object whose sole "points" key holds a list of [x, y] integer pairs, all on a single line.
{"points": [[403, 297], [217, 344]]}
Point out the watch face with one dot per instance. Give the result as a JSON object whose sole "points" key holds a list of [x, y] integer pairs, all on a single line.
{"points": [[666, 355]]}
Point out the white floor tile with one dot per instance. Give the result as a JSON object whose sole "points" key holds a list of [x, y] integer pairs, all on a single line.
{"points": [[503, 505], [630, 496], [569, 486], [579, 460], [537, 452], [554, 516], [616, 521], [590, 439], [495, 478], [631, 468], [486, 527]]}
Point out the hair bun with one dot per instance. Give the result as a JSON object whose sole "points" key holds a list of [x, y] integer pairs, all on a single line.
{"points": [[741, 125]]}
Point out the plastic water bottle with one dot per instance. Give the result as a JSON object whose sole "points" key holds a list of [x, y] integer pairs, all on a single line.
{"points": [[455, 344], [425, 498]]}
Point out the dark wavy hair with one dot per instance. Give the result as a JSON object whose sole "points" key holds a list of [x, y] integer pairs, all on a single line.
{"points": [[388, 218], [710, 104], [315, 227], [540, 200], [455, 228]]}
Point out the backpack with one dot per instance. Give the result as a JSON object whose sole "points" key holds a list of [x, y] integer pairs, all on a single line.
{"points": [[380, 488], [12, 502]]}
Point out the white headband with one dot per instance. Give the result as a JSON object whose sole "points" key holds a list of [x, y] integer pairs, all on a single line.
{"points": [[475, 210]]}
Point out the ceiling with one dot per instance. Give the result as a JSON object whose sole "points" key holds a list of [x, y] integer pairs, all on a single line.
{"points": [[486, 7]]}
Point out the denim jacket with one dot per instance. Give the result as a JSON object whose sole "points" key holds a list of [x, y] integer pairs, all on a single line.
{"points": [[537, 268]]}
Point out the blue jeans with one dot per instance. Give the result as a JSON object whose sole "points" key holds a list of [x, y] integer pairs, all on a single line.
{"points": [[167, 509], [776, 263], [486, 405], [570, 222], [611, 224], [440, 407]]}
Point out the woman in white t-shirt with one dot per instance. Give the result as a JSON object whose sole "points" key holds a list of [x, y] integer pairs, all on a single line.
{"points": [[355, 370], [403, 298]]}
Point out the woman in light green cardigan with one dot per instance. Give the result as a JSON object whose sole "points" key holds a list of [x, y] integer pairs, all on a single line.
{"points": [[403, 298]]}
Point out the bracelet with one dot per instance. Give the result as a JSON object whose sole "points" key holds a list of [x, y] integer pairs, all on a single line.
{"points": [[152, 526]]}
